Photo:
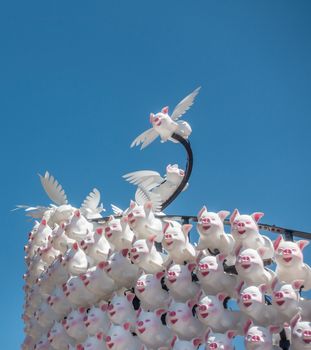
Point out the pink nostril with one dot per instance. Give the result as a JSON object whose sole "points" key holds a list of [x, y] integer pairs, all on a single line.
{"points": [[108, 339], [168, 236], [110, 307], [255, 338], [241, 224], [287, 251], [133, 250], [130, 215]]}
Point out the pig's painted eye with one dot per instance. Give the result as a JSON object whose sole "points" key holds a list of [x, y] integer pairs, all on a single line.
{"points": [[213, 219], [298, 330], [147, 320]]}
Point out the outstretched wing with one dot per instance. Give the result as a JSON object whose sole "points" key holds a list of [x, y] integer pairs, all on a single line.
{"points": [[116, 210], [91, 203], [145, 138], [142, 196], [34, 212], [145, 178], [53, 189], [184, 105]]}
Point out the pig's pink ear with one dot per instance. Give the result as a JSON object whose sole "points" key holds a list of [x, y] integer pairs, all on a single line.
{"points": [[302, 244], [79, 347], [223, 214], [127, 326], [99, 230], [75, 246], [239, 287], [124, 252], [247, 326], [104, 306], [295, 320], [274, 329], [148, 206], [191, 266], [110, 218], [297, 284], [261, 251], [230, 333], [101, 265], [77, 213], [196, 342], [160, 274], [263, 288], [165, 110], [130, 296], [173, 341], [125, 219], [191, 303], [221, 296], [221, 257], [186, 229], [138, 312], [207, 333], [202, 211], [82, 310], [43, 222], [277, 242], [233, 216], [151, 116], [132, 204], [257, 216], [160, 312], [100, 336]]}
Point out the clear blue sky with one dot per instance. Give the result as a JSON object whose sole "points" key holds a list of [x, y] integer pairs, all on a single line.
{"points": [[79, 79]]}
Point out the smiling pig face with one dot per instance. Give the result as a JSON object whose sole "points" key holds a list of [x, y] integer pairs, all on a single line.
{"points": [[301, 333]]}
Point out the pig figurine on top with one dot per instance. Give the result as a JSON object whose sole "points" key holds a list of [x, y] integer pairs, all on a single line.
{"points": [[76, 260], [142, 221], [259, 338], [213, 279], [301, 333], [219, 340], [289, 260], [41, 234], [176, 242], [150, 292], [144, 255], [211, 229], [118, 233], [79, 227], [245, 231]]}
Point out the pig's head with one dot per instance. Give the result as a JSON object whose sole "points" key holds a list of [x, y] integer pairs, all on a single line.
{"points": [[97, 318], [179, 273], [62, 214], [140, 250], [289, 253], [211, 306], [119, 337], [74, 324], [174, 174], [285, 296], [249, 261], [148, 282], [137, 213], [60, 240], [210, 223], [218, 340], [57, 334], [149, 323], [120, 309], [94, 342], [180, 315], [175, 235], [157, 119], [251, 299], [244, 226], [178, 344], [301, 333], [78, 228], [75, 260], [43, 343], [73, 285], [258, 338], [40, 237], [99, 248], [210, 265], [116, 228]]}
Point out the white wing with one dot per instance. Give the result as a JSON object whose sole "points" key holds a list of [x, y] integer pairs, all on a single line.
{"points": [[116, 210], [145, 178], [184, 105], [145, 138], [142, 196], [34, 212], [91, 206], [53, 189]]}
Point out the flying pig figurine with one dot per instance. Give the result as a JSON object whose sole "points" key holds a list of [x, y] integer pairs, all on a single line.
{"points": [[289, 261], [79, 227], [301, 333], [259, 338], [244, 229], [164, 125], [120, 338], [176, 242], [219, 340], [212, 234], [142, 221], [118, 233], [120, 309], [150, 292], [212, 277], [97, 320], [76, 260], [144, 254]]}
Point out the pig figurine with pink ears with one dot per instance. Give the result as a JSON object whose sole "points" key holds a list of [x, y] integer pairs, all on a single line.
{"points": [[301, 333], [74, 324], [42, 233], [178, 344], [219, 340], [58, 302], [60, 240], [144, 254], [150, 329], [250, 267], [245, 231], [286, 300], [76, 260], [119, 234], [176, 242], [96, 319], [259, 338], [121, 310], [150, 292], [58, 337], [181, 320], [212, 234], [93, 342], [77, 294], [179, 281], [79, 227], [212, 277], [289, 260], [142, 221], [120, 338]]}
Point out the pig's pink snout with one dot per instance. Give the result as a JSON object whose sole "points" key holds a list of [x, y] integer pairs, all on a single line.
{"points": [[140, 323], [245, 258], [213, 346], [307, 333], [206, 220], [133, 250], [202, 307], [168, 236], [246, 297], [107, 229], [278, 295], [130, 215], [255, 338], [172, 313], [108, 339], [287, 251]]}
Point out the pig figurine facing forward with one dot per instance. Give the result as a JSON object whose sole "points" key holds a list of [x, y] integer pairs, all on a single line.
{"points": [[97, 320], [74, 324], [219, 340], [120, 338], [120, 309], [301, 333], [118, 233], [93, 342], [58, 337]]}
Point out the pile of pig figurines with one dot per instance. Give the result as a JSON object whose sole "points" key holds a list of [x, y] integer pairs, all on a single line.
{"points": [[136, 282]]}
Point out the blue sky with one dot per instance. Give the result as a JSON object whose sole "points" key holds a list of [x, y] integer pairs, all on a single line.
{"points": [[79, 79]]}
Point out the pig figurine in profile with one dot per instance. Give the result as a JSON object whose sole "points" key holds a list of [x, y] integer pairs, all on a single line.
{"points": [[212, 234], [120, 338], [120, 309], [60, 240], [301, 333], [58, 302], [213, 279], [43, 343], [77, 294], [58, 337], [289, 260], [142, 221], [179, 281], [150, 292], [41, 235], [74, 324], [245, 231], [259, 338], [144, 254], [180, 319], [119, 234], [93, 342], [79, 227], [96, 319], [176, 242], [250, 267], [150, 329], [219, 340], [76, 260], [179, 344]]}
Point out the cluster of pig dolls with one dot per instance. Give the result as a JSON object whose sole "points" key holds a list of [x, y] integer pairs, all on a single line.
{"points": [[134, 281]]}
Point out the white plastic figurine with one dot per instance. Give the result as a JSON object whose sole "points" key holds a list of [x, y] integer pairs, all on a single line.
{"points": [[79, 227], [118, 233], [164, 125], [58, 337], [120, 338], [301, 333], [93, 342], [96, 319], [179, 344], [74, 324], [219, 340], [120, 309]]}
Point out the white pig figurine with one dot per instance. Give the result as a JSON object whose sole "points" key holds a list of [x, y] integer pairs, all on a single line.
{"points": [[79, 227], [96, 319], [76, 260], [94, 342], [58, 337], [120, 309], [219, 340], [77, 294], [118, 233], [301, 333], [120, 338], [74, 324]]}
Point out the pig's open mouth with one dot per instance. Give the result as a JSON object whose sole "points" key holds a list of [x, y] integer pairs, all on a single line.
{"points": [[141, 290], [204, 314], [110, 345], [141, 330], [247, 304], [172, 280], [287, 259], [135, 256], [308, 340], [112, 313], [169, 243], [241, 232], [280, 302], [246, 266], [206, 227], [204, 273], [174, 320]]}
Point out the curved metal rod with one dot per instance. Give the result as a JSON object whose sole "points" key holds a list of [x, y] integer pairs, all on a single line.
{"points": [[188, 170]]}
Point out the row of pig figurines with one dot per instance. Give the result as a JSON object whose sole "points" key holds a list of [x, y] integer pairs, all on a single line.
{"points": [[93, 329]]}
